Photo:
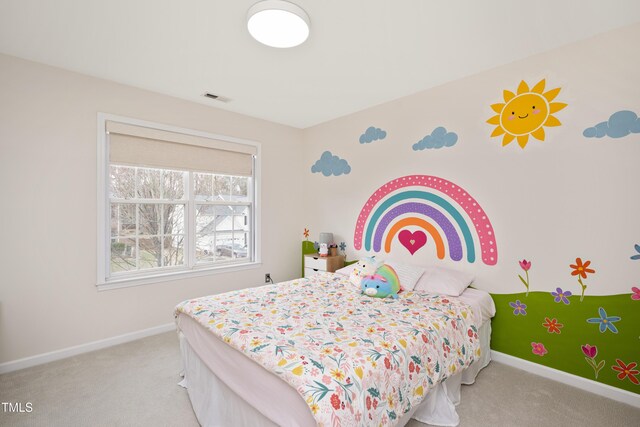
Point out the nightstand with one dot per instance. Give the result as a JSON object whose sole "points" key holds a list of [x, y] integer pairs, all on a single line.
{"points": [[314, 263]]}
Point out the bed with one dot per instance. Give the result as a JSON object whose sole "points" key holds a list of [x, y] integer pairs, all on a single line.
{"points": [[330, 356]]}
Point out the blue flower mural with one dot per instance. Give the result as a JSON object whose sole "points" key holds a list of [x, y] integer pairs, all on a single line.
{"points": [[606, 322]]}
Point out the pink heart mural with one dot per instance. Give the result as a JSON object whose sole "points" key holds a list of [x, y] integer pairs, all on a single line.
{"points": [[412, 241]]}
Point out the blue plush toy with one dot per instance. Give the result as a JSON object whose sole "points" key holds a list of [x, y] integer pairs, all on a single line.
{"points": [[384, 283]]}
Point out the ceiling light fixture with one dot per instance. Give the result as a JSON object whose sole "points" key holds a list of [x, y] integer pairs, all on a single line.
{"points": [[278, 23]]}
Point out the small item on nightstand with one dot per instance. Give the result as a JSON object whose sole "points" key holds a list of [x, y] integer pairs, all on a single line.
{"points": [[324, 249], [326, 239], [333, 250]]}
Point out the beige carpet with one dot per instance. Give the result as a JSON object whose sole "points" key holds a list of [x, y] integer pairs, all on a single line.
{"points": [[135, 384]]}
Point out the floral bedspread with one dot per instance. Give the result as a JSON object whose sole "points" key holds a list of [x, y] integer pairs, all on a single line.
{"points": [[356, 360]]}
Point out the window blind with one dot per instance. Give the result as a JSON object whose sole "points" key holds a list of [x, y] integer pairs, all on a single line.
{"points": [[143, 146]]}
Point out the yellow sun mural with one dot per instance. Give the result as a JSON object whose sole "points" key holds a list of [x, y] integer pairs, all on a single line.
{"points": [[525, 113]]}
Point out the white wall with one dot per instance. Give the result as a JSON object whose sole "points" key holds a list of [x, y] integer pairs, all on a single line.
{"points": [[48, 297], [566, 197], [556, 200]]}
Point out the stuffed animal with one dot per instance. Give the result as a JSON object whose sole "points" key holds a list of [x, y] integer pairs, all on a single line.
{"points": [[365, 267], [384, 283]]}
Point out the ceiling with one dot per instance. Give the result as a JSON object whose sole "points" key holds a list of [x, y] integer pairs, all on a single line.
{"points": [[360, 52]]}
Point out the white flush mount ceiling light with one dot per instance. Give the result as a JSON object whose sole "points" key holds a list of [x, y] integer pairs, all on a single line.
{"points": [[278, 23]]}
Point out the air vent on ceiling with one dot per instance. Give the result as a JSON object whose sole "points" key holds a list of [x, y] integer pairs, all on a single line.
{"points": [[216, 97]]}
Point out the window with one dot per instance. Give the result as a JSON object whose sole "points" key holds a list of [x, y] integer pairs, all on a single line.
{"points": [[147, 208], [173, 202]]}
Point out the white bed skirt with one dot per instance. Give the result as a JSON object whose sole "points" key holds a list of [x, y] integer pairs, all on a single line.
{"points": [[216, 405], [213, 402]]}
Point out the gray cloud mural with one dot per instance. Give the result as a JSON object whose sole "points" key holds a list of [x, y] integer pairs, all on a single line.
{"points": [[439, 138], [621, 123], [328, 165], [372, 134]]}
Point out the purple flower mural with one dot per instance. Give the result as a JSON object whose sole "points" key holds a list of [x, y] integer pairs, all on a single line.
{"points": [[561, 296], [519, 308]]}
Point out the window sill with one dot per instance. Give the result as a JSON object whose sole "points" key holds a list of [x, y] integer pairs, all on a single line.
{"points": [[126, 282]]}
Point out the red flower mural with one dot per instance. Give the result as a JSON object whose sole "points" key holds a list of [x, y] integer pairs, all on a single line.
{"points": [[525, 265], [552, 325], [627, 371], [590, 353], [581, 270]]}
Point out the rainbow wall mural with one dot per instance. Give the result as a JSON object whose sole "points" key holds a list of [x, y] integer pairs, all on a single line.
{"points": [[435, 205]]}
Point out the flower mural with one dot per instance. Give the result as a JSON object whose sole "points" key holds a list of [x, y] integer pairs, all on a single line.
{"points": [[561, 296], [582, 339], [627, 371], [581, 270], [636, 256], [306, 234], [590, 352], [606, 322], [519, 308], [525, 265], [538, 349], [343, 248], [552, 325]]}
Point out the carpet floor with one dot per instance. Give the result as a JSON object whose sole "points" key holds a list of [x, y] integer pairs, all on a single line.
{"points": [[135, 384]]}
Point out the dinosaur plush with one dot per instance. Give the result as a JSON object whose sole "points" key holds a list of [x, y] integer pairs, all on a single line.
{"points": [[384, 283]]}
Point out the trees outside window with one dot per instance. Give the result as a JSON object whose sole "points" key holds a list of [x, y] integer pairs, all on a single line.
{"points": [[151, 209]]}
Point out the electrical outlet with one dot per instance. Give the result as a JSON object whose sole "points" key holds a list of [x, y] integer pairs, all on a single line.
{"points": [[267, 278]]}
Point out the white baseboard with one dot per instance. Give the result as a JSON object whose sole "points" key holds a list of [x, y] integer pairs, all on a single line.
{"points": [[601, 389], [39, 359]]}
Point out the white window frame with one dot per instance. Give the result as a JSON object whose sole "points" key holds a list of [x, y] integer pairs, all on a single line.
{"points": [[104, 282]]}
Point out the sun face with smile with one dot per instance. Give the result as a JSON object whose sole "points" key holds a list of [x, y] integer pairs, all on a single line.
{"points": [[525, 113]]}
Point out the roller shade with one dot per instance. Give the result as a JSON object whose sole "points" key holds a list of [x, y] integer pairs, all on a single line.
{"points": [[142, 146]]}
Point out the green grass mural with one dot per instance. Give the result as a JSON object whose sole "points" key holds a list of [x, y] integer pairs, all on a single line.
{"points": [[597, 337]]}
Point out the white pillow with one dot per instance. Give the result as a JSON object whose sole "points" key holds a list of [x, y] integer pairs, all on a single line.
{"points": [[407, 274], [442, 280], [346, 271]]}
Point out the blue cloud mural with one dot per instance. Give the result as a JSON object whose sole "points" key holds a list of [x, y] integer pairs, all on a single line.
{"points": [[372, 134], [439, 138], [328, 165], [621, 123]]}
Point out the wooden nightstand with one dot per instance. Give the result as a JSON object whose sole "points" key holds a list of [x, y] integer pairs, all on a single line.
{"points": [[314, 263]]}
